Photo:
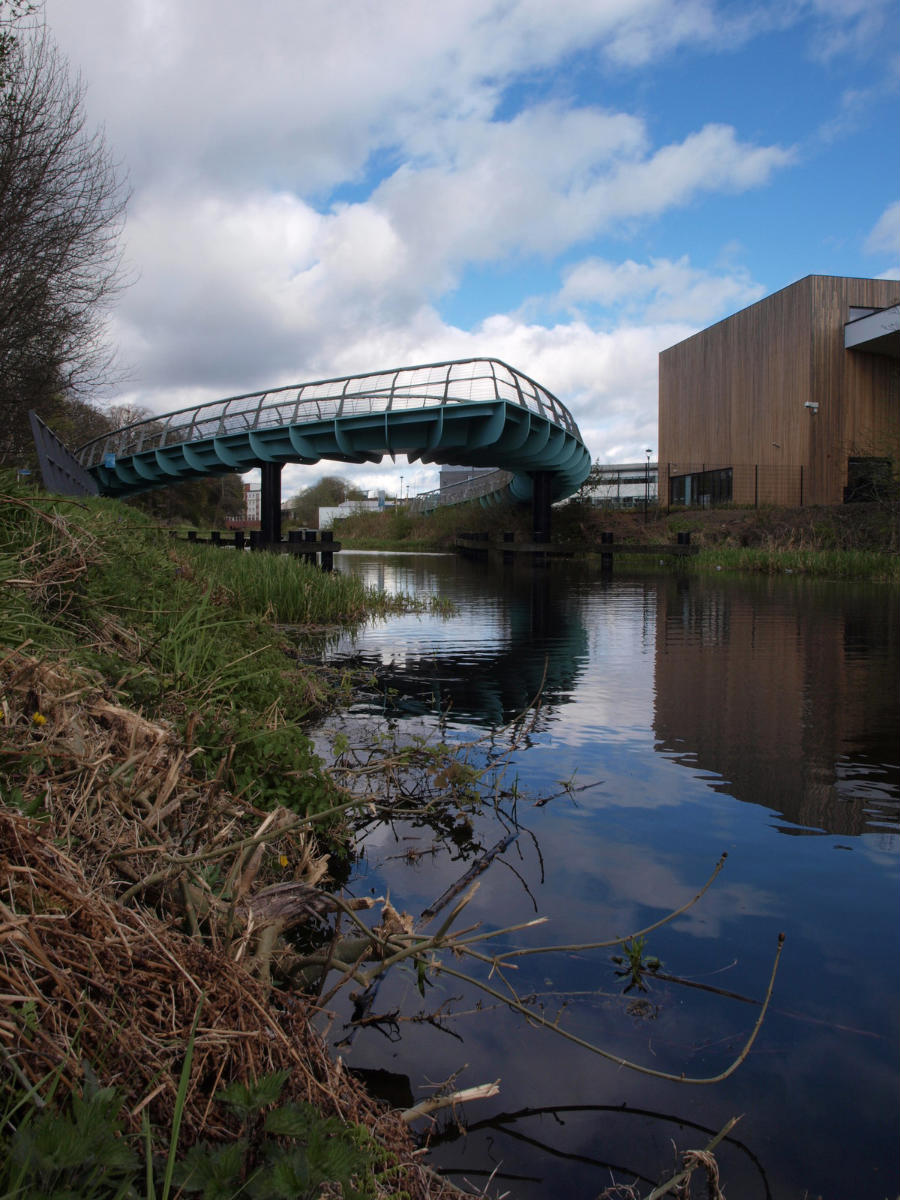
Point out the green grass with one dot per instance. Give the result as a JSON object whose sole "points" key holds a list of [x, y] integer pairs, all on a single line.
{"points": [[182, 633], [403, 529], [285, 589], [870, 565]]}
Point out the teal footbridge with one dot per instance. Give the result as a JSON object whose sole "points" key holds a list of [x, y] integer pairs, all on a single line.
{"points": [[471, 412]]}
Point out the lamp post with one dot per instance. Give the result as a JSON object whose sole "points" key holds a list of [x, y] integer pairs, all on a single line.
{"points": [[401, 491], [648, 452]]}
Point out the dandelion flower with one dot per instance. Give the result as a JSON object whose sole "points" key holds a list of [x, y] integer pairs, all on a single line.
{"points": [[283, 860], [39, 719]]}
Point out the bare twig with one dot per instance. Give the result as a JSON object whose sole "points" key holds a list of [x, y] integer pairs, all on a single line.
{"points": [[433, 1103]]}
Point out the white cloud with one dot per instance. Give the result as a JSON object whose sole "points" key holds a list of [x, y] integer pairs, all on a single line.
{"points": [[884, 237], [662, 290], [301, 95], [713, 159], [849, 27], [550, 179]]}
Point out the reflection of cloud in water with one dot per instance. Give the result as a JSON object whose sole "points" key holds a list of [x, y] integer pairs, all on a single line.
{"points": [[710, 715]]}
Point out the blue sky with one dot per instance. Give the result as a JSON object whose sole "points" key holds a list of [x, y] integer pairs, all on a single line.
{"points": [[322, 187]]}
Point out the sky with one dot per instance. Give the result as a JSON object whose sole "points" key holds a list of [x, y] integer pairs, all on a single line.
{"points": [[326, 187]]}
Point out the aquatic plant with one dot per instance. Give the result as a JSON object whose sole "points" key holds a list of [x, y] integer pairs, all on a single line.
{"points": [[635, 963]]}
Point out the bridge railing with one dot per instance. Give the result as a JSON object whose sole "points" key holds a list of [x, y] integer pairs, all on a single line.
{"points": [[463, 381], [458, 493]]}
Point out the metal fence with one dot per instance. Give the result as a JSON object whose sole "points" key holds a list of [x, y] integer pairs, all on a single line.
{"points": [[458, 493]]}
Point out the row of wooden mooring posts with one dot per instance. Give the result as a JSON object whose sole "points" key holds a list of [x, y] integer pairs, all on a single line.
{"points": [[539, 551], [312, 544]]}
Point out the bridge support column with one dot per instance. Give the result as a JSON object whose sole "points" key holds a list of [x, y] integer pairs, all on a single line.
{"points": [[270, 503], [540, 505]]}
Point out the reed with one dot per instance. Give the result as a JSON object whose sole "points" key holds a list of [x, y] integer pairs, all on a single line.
{"points": [[285, 589], [869, 565]]}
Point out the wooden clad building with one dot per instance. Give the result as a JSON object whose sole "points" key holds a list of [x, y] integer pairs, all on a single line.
{"points": [[794, 400]]}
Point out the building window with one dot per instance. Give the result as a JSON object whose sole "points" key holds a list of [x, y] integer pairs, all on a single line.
{"points": [[703, 489]]}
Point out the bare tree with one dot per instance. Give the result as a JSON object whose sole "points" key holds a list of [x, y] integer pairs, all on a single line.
{"points": [[11, 13], [62, 206]]}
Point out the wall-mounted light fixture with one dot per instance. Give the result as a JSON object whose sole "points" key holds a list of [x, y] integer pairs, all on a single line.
{"points": [[812, 405]]}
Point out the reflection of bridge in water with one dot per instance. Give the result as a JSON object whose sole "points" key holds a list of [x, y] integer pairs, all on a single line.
{"points": [[540, 654], [474, 412]]}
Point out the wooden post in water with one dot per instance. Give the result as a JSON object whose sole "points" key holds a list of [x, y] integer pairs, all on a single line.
{"points": [[327, 536], [606, 558]]}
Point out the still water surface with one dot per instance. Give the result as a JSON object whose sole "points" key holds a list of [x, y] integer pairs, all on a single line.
{"points": [[689, 716]]}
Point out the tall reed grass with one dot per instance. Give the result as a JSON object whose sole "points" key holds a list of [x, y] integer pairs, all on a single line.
{"points": [[283, 588]]}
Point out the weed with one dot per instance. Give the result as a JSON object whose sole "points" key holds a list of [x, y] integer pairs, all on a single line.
{"points": [[54, 1154], [270, 767], [634, 963], [282, 1152]]}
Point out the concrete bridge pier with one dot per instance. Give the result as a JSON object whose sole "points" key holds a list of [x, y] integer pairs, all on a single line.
{"points": [[542, 484], [270, 503]]}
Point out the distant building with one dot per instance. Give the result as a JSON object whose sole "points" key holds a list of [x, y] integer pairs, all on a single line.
{"points": [[327, 516], [794, 400], [625, 485], [252, 508], [251, 503]]}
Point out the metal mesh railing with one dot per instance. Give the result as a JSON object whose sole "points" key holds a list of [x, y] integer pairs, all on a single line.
{"points": [[458, 493], [462, 381]]}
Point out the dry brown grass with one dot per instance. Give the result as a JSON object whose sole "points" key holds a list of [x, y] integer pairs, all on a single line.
{"points": [[133, 892]]}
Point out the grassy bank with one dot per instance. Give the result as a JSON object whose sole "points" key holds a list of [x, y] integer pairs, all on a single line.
{"points": [[160, 838], [848, 541]]}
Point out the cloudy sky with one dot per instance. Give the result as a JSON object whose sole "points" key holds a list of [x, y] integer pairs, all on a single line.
{"points": [[322, 187]]}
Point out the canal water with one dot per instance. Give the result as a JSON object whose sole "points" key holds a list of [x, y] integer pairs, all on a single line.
{"points": [[679, 718]]}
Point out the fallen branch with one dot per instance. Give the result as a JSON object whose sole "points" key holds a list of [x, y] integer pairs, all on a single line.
{"points": [[536, 1019], [473, 872], [482, 1091]]}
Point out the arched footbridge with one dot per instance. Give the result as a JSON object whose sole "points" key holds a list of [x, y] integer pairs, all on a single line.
{"points": [[472, 412]]}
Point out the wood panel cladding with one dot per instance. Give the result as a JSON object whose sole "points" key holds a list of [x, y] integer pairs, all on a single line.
{"points": [[736, 394]]}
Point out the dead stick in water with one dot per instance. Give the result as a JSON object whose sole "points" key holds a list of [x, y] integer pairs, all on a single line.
{"points": [[684, 1175], [482, 1092], [473, 872]]}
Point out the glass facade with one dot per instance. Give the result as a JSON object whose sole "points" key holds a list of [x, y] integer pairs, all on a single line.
{"points": [[703, 489]]}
